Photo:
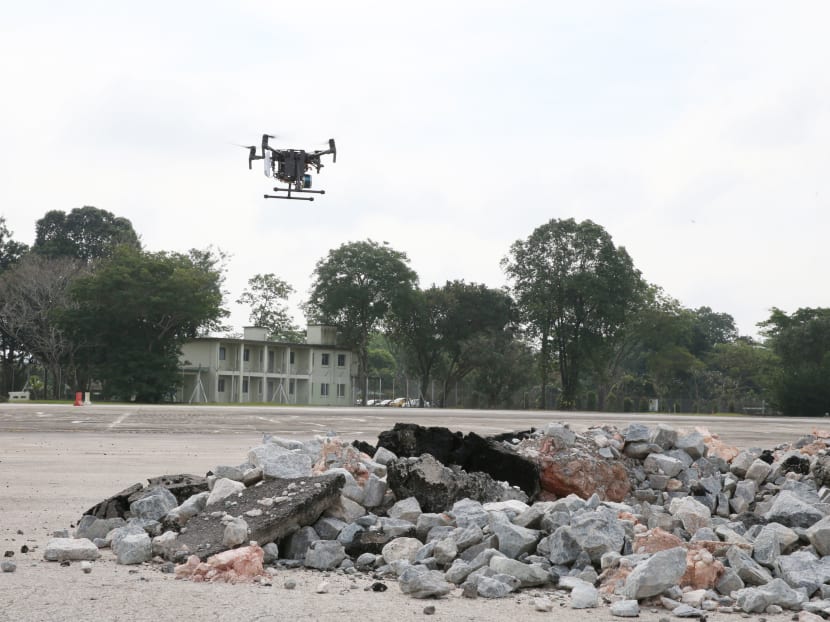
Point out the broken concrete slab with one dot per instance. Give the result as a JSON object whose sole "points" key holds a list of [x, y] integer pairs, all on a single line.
{"points": [[284, 505]]}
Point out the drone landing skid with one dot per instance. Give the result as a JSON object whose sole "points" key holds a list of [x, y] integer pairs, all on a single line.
{"points": [[288, 192]]}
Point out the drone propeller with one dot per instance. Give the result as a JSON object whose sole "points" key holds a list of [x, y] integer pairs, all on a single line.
{"points": [[333, 150]]}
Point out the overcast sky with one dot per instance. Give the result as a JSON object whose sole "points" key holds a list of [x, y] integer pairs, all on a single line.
{"points": [[697, 133]]}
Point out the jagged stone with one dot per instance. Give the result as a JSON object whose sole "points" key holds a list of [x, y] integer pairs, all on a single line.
{"points": [[153, 504], [223, 489], [657, 573], [287, 466], [437, 486], [776, 592], [625, 609], [401, 548], [91, 527], [804, 570], [529, 575], [691, 513], [692, 444], [133, 548], [324, 555], [296, 544], [819, 536], [419, 583], [791, 510], [750, 571], [584, 596], [597, 533], [293, 503], [513, 540]]}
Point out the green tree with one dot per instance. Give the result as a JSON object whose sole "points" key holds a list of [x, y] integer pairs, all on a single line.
{"points": [[471, 312], [710, 329], [135, 311], [86, 233], [802, 342], [574, 290], [11, 352], [32, 293], [356, 287], [266, 295]]}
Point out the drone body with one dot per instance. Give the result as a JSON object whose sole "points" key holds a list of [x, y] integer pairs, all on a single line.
{"points": [[291, 167]]}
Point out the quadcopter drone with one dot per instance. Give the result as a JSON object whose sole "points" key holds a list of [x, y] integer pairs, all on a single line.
{"points": [[290, 166]]}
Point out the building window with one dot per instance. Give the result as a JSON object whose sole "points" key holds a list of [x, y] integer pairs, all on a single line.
{"points": [[245, 385], [246, 355], [222, 353], [324, 359], [341, 390], [324, 389], [341, 360], [291, 357], [220, 386], [291, 387]]}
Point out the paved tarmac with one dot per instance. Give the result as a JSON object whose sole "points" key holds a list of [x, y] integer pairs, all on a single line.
{"points": [[364, 422]]}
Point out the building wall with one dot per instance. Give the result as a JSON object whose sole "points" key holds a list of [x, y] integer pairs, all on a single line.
{"points": [[252, 370]]}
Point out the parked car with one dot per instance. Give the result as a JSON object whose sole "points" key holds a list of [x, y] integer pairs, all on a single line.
{"points": [[398, 402]]}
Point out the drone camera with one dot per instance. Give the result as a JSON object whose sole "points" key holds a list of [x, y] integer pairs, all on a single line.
{"points": [[306, 181]]}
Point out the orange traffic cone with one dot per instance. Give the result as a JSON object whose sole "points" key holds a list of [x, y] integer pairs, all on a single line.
{"points": [[79, 399]]}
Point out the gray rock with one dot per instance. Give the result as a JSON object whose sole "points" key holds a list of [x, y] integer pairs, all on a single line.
{"points": [[223, 489], [467, 536], [236, 533], [365, 561], [597, 533], [187, 510], [490, 587], [636, 432], [789, 509], [8, 565], [384, 456], [428, 520], [419, 583], [401, 548], [687, 611], [819, 536], [406, 509], [692, 444], [513, 540], [287, 466], [91, 527], [767, 547], [664, 436], [469, 512], [329, 527], [70, 549], [584, 596], [346, 510], [758, 471], [660, 571], [776, 592], [625, 609], [804, 570], [563, 437], [154, 504], [134, 548], [561, 546], [661, 463], [374, 491], [296, 544], [271, 553], [396, 527], [529, 575], [445, 551], [729, 582], [750, 571], [324, 555], [691, 513]]}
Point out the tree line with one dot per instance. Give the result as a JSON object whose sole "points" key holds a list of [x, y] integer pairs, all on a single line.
{"points": [[577, 327]]}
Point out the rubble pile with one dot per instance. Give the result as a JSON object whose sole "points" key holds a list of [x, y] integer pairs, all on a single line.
{"points": [[625, 517]]}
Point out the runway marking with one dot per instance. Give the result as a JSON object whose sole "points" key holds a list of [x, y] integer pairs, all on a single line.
{"points": [[118, 421], [351, 419]]}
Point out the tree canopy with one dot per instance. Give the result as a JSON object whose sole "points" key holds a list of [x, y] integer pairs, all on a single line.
{"points": [[86, 233], [574, 290], [355, 287], [134, 312], [266, 296]]}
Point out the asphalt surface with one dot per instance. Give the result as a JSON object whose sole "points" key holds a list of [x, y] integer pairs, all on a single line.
{"points": [[365, 422]]}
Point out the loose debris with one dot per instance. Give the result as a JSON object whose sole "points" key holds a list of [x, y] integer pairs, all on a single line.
{"points": [[634, 517]]}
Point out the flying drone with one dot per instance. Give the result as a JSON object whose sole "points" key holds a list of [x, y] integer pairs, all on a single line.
{"points": [[291, 167]]}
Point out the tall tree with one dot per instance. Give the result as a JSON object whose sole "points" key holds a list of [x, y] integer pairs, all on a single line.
{"points": [[86, 233], [266, 295], [11, 354], [574, 289], [32, 293], [802, 342], [136, 310], [355, 287]]}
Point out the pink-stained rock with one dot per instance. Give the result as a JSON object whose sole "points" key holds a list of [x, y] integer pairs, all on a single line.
{"points": [[613, 579], [655, 540], [241, 565], [702, 570], [339, 454], [581, 472], [716, 446]]}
